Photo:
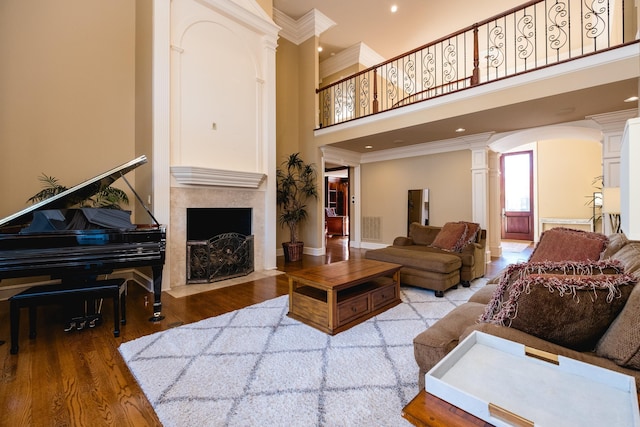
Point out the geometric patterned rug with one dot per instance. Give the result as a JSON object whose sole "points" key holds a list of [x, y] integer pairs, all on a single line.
{"points": [[257, 366]]}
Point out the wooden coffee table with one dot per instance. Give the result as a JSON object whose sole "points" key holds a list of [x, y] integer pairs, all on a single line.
{"points": [[427, 410], [334, 297]]}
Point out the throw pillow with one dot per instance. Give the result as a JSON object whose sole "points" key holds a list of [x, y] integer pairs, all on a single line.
{"points": [[565, 244], [621, 342], [570, 304], [422, 234], [451, 237], [471, 236]]}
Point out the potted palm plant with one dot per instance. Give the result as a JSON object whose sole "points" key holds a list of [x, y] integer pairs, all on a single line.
{"points": [[296, 182]]}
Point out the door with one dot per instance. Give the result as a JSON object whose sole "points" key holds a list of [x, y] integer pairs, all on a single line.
{"points": [[516, 184]]}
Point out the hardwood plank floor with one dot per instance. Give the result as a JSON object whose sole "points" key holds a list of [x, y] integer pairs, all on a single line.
{"points": [[79, 378]]}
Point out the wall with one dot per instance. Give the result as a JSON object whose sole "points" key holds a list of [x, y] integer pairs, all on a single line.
{"points": [[385, 185], [296, 117], [67, 88], [144, 104], [566, 170]]}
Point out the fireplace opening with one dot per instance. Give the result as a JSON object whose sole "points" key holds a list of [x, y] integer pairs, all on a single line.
{"points": [[219, 244]]}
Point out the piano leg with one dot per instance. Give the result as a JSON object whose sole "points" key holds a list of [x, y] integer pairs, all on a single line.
{"points": [[157, 294]]}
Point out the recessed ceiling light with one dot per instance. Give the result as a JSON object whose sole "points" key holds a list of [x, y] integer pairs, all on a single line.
{"points": [[319, 48], [368, 147], [394, 8], [631, 99], [459, 130]]}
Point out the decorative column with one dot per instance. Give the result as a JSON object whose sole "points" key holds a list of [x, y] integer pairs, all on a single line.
{"points": [[494, 237], [613, 128], [630, 180], [480, 189]]}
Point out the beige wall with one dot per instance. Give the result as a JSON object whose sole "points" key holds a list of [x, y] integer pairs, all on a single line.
{"points": [[385, 185], [566, 170], [296, 118], [67, 85], [144, 104]]}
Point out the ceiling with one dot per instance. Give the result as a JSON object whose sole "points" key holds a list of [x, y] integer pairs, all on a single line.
{"points": [[371, 22], [419, 21]]}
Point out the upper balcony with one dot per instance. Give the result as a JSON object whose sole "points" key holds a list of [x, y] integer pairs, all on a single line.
{"points": [[580, 56]]}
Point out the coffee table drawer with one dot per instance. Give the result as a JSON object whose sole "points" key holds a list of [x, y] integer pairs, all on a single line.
{"points": [[383, 296], [353, 308]]}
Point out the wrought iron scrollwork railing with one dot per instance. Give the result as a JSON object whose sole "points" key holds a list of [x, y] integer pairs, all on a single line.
{"points": [[535, 35]]}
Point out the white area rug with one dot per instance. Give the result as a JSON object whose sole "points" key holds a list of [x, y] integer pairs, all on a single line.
{"points": [[257, 366]]}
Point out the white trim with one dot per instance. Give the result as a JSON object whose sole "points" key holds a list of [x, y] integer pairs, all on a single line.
{"points": [[192, 175], [358, 53], [313, 23]]}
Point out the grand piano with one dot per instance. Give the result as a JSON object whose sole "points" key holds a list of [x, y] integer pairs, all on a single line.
{"points": [[51, 238]]}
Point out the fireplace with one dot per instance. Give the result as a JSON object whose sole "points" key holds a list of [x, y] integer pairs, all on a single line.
{"points": [[219, 244]]}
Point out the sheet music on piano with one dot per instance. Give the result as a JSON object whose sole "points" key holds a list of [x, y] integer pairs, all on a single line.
{"points": [[50, 238]]}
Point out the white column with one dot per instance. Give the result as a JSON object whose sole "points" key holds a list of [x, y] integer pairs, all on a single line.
{"points": [[480, 185], [494, 237], [161, 119], [630, 180], [480, 191]]}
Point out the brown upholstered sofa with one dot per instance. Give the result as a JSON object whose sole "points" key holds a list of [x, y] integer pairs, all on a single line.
{"points": [[433, 258], [617, 348]]}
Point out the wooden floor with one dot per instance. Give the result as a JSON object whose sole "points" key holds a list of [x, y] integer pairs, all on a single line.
{"points": [[79, 379]]}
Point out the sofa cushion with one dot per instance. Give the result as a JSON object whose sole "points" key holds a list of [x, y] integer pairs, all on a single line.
{"points": [[570, 304], [565, 244], [437, 262], [451, 237], [621, 342], [484, 294], [616, 242], [629, 255], [422, 234]]}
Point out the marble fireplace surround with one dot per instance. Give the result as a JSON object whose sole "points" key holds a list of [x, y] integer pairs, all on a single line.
{"points": [[206, 188]]}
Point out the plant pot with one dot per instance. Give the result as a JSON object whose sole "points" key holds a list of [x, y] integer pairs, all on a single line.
{"points": [[292, 251]]}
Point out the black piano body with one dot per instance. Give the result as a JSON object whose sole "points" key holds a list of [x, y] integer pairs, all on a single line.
{"points": [[81, 254]]}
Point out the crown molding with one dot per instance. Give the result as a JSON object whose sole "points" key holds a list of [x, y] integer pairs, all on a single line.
{"points": [[358, 53], [470, 142], [340, 156], [615, 121], [313, 23], [193, 175], [245, 13]]}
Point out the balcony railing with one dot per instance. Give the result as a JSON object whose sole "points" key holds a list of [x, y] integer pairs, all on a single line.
{"points": [[529, 37]]}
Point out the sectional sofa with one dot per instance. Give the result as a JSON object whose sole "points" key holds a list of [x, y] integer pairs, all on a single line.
{"points": [[437, 258], [576, 297]]}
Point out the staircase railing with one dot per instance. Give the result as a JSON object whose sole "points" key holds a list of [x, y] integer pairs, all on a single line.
{"points": [[534, 35]]}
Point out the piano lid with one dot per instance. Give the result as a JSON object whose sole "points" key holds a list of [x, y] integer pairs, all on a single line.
{"points": [[74, 195]]}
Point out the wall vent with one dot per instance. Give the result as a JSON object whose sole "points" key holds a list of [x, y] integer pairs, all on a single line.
{"points": [[371, 229]]}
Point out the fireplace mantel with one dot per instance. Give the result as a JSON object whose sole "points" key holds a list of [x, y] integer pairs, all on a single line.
{"points": [[216, 177]]}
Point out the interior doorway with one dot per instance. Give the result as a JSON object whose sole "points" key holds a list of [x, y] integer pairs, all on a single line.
{"points": [[336, 201], [516, 195]]}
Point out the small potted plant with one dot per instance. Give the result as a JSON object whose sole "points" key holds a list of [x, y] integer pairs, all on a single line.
{"points": [[296, 182]]}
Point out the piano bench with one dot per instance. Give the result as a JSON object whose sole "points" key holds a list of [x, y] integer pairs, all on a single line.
{"points": [[53, 294]]}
